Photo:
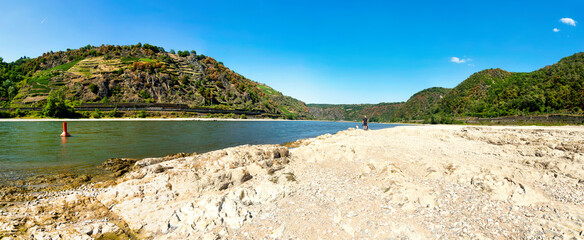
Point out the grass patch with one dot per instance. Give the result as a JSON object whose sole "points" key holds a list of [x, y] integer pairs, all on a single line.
{"points": [[129, 59], [284, 110], [267, 90], [40, 90], [39, 81], [42, 78], [85, 71], [65, 66], [126, 60]]}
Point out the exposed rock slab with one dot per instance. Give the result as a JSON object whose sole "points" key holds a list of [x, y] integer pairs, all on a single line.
{"points": [[414, 182]]}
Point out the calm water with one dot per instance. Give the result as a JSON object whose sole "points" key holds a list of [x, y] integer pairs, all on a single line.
{"points": [[30, 148]]}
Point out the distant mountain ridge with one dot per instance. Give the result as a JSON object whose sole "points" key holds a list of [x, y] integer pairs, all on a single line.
{"points": [[495, 92], [140, 73], [490, 93], [148, 74]]}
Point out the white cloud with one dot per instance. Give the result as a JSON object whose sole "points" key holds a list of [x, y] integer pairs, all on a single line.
{"points": [[568, 21], [556, 30], [459, 60]]}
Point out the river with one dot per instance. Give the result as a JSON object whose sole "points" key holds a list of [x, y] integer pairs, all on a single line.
{"points": [[29, 148]]}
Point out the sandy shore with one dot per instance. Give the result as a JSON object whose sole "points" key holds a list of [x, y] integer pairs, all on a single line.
{"points": [[410, 182]]}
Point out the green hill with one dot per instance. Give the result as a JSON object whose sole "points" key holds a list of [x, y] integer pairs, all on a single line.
{"points": [[558, 88], [138, 74], [555, 89], [421, 104], [383, 112]]}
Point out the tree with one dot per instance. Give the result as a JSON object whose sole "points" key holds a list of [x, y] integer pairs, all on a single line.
{"points": [[56, 105], [183, 53], [11, 92], [96, 114], [115, 113], [152, 47]]}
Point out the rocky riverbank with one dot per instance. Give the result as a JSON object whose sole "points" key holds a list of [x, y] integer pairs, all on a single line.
{"points": [[412, 182]]}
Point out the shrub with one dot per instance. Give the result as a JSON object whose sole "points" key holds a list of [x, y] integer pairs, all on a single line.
{"points": [[96, 113], [93, 88], [115, 113], [56, 106], [219, 84], [4, 114], [144, 94], [153, 48], [184, 79], [142, 114], [19, 113], [183, 53]]}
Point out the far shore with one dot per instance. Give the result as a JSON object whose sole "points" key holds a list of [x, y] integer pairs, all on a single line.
{"points": [[170, 119], [257, 120], [137, 119]]}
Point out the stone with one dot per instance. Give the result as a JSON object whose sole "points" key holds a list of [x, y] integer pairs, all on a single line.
{"points": [[118, 166], [279, 232]]}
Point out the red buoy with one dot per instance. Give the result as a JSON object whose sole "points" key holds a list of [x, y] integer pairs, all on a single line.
{"points": [[65, 133]]}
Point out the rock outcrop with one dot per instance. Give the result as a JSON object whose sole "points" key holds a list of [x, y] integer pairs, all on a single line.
{"points": [[419, 182]]}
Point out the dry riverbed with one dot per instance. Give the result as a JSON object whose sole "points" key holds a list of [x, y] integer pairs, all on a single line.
{"points": [[411, 182]]}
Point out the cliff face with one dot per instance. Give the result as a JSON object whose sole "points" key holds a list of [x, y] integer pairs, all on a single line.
{"points": [[147, 74]]}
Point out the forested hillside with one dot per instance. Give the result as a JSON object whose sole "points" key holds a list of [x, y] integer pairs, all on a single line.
{"points": [[421, 104], [138, 74], [555, 89], [418, 107], [494, 92], [383, 112]]}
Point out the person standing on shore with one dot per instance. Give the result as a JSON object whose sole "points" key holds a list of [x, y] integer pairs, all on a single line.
{"points": [[365, 123]]}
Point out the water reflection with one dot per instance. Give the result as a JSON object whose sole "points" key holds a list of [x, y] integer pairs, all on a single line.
{"points": [[64, 141]]}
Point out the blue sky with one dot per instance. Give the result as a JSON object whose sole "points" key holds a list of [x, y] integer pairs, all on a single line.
{"points": [[316, 51]]}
